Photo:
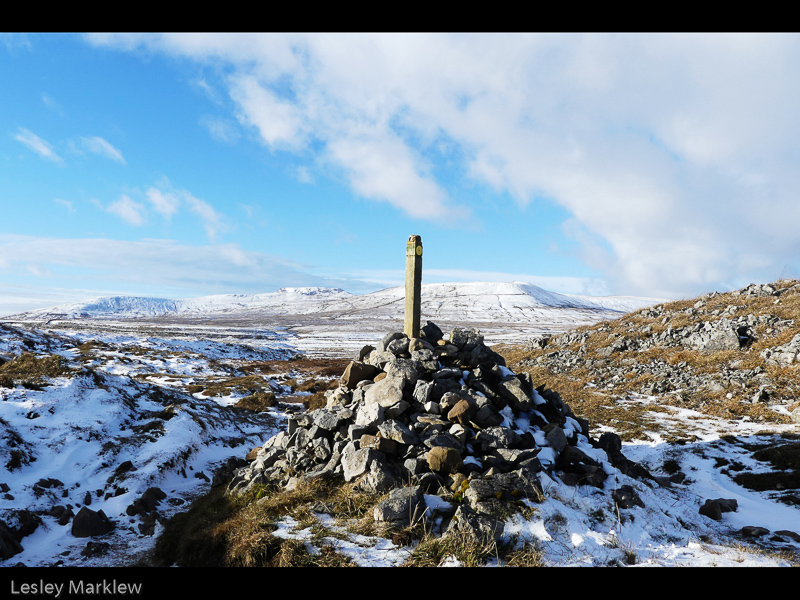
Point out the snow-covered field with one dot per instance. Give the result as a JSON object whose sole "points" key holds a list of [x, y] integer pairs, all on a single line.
{"points": [[125, 402]]}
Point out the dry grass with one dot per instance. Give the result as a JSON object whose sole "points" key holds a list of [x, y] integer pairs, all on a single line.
{"points": [[249, 384], [33, 371], [220, 530], [258, 402], [435, 551]]}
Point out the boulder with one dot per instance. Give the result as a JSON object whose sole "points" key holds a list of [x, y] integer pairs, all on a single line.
{"points": [[88, 523]]}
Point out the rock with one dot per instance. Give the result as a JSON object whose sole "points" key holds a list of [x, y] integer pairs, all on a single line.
{"points": [[461, 412], [381, 477], [65, 517], [480, 528], [356, 372], [444, 460], [48, 483], [754, 531], [404, 507], [465, 339], [9, 544], [395, 430], [713, 509], [514, 393], [147, 502], [388, 392], [383, 345], [356, 462], [88, 523], [431, 333], [792, 535], [389, 429], [626, 497], [29, 522]]}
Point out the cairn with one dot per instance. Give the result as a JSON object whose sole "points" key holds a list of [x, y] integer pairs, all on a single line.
{"points": [[436, 416]]}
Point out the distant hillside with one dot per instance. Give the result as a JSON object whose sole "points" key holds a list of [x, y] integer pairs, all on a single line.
{"points": [[476, 302]]}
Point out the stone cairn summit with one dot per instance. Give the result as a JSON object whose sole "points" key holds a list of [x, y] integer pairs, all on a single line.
{"points": [[436, 416]]}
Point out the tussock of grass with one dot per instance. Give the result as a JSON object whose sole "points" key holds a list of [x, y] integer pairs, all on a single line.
{"points": [[28, 368], [258, 402]]}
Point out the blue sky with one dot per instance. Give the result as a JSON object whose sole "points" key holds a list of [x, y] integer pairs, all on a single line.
{"points": [[185, 165]]}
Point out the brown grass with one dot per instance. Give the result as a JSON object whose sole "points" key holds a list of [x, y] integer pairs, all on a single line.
{"points": [[30, 369], [220, 530]]}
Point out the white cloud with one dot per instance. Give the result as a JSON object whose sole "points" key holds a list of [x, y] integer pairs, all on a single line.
{"points": [[165, 203], [51, 104], [675, 154], [65, 203], [101, 147], [128, 210], [167, 200], [221, 129], [148, 266], [212, 220], [38, 145]]}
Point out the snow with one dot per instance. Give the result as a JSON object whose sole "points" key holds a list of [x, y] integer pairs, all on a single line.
{"points": [[84, 429]]}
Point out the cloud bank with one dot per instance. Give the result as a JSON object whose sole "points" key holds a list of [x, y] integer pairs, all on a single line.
{"points": [[674, 154], [147, 267]]}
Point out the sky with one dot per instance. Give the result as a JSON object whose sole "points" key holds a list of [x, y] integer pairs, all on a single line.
{"points": [[183, 165]]}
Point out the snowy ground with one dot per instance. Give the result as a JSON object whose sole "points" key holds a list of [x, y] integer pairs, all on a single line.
{"points": [[80, 428]]}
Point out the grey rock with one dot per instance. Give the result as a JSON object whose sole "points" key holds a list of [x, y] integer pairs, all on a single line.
{"points": [[381, 477], [481, 528], [397, 431], [405, 370], [754, 531], [514, 393], [466, 339], [404, 507], [383, 345], [398, 347], [556, 439], [497, 437], [387, 392], [356, 462], [370, 415]]}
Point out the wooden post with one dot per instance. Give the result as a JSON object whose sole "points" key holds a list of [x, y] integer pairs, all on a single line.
{"points": [[413, 285]]}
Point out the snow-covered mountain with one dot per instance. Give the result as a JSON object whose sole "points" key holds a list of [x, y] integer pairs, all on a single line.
{"points": [[512, 302]]}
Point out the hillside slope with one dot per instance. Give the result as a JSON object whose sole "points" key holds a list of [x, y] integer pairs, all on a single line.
{"points": [[733, 355]]}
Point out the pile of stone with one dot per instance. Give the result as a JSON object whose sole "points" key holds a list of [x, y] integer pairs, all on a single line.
{"points": [[437, 416]]}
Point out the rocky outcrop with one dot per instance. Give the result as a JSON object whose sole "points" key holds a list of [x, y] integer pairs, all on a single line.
{"points": [[436, 416], [785, 354], [639, 352]]}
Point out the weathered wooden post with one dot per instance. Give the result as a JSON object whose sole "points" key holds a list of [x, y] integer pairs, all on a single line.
{"points": [[413, 285]]}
